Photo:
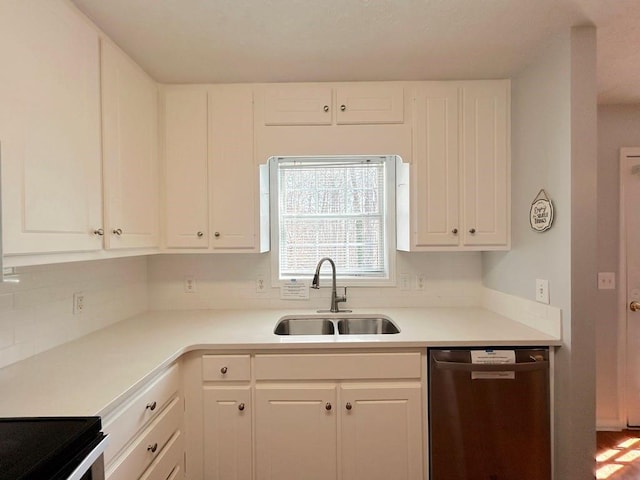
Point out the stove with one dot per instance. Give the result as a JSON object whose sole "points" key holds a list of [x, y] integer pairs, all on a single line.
{"points": [[52, 448]]}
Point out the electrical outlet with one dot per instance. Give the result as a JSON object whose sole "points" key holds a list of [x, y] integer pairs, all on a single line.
{"points": [[421, 281], [606, 280], [189, 285], [78, 303], [542, 291], [260, 285], [405, 282]]}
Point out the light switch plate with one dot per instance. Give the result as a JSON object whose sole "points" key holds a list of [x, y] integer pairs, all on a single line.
{"points": [[542, 291]]}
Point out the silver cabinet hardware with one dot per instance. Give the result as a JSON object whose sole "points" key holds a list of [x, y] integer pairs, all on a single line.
{"points": [[223, 370], [348, 406], [454, 231], [472, 231], [200, 234], [326, 108], [328, 406], [343, 108], [241, 407], [217, 234], [634, 306], [99, 232], [117, 231], [152, 448], [151, 406]]}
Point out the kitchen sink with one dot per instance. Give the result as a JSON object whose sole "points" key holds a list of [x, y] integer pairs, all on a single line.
{"points": [[304, 326], [352, 325], [367, 326]]}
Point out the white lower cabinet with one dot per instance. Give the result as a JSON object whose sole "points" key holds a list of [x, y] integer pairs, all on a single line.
{"points": [[316, 416]]}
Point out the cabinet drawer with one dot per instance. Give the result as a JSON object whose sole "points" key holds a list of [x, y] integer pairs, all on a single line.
{"points": [[168, 464], [218, 368], [123, 424], [338, 366], [147, 447]]}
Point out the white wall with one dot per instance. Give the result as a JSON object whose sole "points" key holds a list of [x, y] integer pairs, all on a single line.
{"points": [[618, 126], [37, 313], [554, 147], [229, 281]]}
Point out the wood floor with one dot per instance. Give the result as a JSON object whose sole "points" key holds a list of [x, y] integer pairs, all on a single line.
{"points": [[618, 455]]}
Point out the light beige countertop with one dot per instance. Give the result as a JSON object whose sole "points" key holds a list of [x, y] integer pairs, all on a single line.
{"points": [[91, 375]]}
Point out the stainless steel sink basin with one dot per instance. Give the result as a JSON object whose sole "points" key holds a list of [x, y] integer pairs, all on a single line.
{"points": [[352, 325], [367, 326], [304, 326]]}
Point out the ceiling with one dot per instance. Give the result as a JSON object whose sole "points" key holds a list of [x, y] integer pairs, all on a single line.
{"points": [[216, 41]]}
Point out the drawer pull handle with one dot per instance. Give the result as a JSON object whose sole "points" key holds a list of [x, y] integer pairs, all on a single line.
{"points": [[454, 231], [326, 108], [117, 231], [241, 407], [472, 231], [152, 448], [343, 108], [224, 370], [152, 406], [349, 406], [217, 234], [328, 406], [200, 234], [99, 232]]}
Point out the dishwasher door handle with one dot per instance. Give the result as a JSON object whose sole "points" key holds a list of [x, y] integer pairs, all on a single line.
{"points": [[491, 367]]}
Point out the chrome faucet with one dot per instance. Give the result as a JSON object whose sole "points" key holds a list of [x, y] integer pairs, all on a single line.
{"points": [[335, 299]]}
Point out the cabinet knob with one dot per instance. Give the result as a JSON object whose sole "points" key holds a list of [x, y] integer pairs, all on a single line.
{"points": [[328, 406], [472, 231], [326, 108], [200, 234], [634, 306], [99, 232], [223, 370], [241, 407], [151, 406], [454, 231], [217, 234], [117, 231], [152, 448], [348, 406], [343, 108]]}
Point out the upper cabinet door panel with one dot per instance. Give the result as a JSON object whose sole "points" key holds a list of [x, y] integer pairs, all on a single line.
{"points": [[366, 103], [297, 105], [130, 117], [49, 128], [436, 166], [186, 170], [485, 144]]}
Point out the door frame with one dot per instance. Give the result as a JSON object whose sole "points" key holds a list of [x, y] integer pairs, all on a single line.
{"points": [[623, 384]]}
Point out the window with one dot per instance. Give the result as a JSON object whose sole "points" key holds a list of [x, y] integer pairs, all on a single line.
{"points": [[340, 208]]}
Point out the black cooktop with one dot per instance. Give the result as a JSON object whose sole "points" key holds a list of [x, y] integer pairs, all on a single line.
{"points": [[45, 447]]}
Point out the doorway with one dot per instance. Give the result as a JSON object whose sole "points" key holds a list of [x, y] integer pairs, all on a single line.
{"points": [[630, 275]]}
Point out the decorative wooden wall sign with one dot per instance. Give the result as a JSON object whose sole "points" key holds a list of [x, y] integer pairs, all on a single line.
{"points": [[541, 213]]}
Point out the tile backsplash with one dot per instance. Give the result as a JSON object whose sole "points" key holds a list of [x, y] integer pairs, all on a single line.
{"points": [[36, 305], [229, 281]]}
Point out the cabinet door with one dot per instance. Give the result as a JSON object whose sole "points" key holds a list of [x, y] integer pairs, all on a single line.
{"points": [[296, 432], [234, 175], [485, 163], [129, 139], [49, 128], [185, 172], [435, 167], [227, 433], [297, 105], [364, 103], [381, 434]]}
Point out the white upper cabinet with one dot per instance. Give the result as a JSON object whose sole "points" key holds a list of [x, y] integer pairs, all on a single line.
{"points": [[455, 195], [130, 145], [49, 128], [186, 184], [327, 104]]}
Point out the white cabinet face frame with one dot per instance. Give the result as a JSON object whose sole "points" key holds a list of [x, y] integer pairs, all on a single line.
{"points": [[49, 129]]}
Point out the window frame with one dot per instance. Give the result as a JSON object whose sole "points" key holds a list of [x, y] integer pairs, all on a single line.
{"points": [[389, 162]]}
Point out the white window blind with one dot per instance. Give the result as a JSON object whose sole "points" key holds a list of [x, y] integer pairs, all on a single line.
{"points": [[332, 208]]}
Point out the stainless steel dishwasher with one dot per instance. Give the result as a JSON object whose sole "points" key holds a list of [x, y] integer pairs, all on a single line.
{"points": [[489, 414]]}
